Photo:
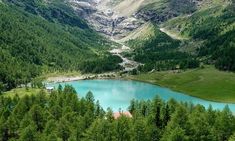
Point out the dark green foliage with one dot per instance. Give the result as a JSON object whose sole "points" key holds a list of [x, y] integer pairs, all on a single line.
{"points": [[160, 52], [215, 26], [54, 118], [1, 87], [29, 134], [38, 37], [107, 63]]}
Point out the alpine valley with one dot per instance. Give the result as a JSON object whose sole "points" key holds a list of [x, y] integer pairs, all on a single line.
{"points": [[183, 49]]}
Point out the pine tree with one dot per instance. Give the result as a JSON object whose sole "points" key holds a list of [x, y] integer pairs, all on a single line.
{"points": [[176, 134], [29, 134], [69, 90], [50, 127], [232, 138], [37, 116], [199, 128], [166, 116], [56, 112], [157, 107], [109, 115], [177, 123], [1, 87], [139, 130], [79, 127], [132, 107], [64, 131], [4, 136], [224, 124], [13, 126], [122, 126], [52, 137]]}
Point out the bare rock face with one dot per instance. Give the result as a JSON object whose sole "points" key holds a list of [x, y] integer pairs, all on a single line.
{"points": [[125, 26], [171, 9], [83, 9], [105, 20]]}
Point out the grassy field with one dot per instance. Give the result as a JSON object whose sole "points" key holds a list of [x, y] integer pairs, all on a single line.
{"points": [[207, 83], [21, 92], [56, 74]]}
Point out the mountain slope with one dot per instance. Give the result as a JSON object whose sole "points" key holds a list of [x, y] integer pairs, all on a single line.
{"points": [[31, 43], [158, 51], [162, 10], [205, 29], [215, 27]]}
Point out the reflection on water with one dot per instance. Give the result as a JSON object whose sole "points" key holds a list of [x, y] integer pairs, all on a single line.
{"points": [[118, 93]]}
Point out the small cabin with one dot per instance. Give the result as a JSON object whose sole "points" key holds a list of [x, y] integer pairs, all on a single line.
{"points": [[116, 115], [49, 89]]}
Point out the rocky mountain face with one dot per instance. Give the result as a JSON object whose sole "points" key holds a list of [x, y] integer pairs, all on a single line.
{"points": [[161, 11], [104, 18], [117, 18]]}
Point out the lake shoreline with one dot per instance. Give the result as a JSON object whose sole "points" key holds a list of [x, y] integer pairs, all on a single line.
{"points": [[183, 96], [116, 76], [63, 78]]}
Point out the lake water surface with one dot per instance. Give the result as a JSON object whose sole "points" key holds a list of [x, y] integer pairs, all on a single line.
{"points": [[118, 93]]}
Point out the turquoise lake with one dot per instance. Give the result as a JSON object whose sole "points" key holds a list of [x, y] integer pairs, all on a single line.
{"points": [[117, 94]]}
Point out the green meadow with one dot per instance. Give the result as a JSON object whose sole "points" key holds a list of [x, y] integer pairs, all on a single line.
{"points": [[21, 92], [207, 83]]}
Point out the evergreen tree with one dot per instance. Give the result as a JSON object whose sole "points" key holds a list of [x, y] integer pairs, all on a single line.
{"points": [[139, 131], [29, 134], [157, 107], [166, 116], [56, 112], [13, 126], [177, 123], [122, 126], [232, 138], [199, 128], [132, 107], [78, 129], [3, 130], [1, 87], [33, 118], [69, 90], [37, 116], [64, 131], [50, 128], [224, 124], [109, 115], [176, 134], [51, 137]]}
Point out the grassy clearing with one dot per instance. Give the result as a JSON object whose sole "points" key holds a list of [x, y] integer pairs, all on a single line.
{"points": [[58, 74], [21, 92], [207, 83], [144, 32]]}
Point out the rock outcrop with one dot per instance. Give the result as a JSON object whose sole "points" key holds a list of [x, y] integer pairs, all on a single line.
{"points": [[104, 19]]}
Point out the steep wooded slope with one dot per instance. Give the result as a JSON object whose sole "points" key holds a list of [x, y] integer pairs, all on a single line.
{"points": [[38, 37], [215, 27]]}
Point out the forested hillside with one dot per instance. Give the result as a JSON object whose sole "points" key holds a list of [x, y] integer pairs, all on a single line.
{"points": [[214, 26], [62, 116], [207, 28], [40, 36], [160, 11], [160, 52]]}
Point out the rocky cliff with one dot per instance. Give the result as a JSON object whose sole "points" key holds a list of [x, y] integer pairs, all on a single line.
{"points": [[104, 18], [117, 18]]}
